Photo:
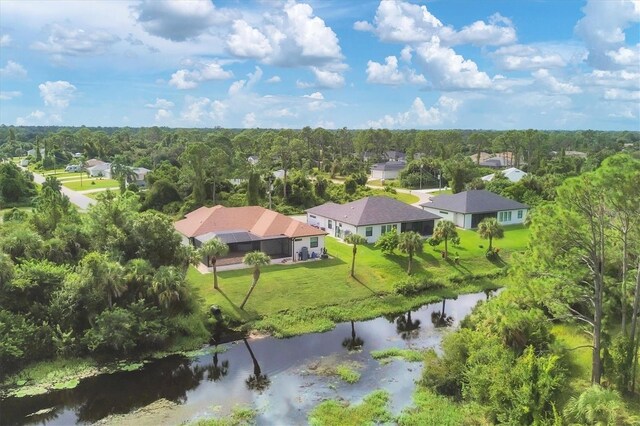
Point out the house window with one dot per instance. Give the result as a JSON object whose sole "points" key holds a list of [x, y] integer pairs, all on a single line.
{"points": [[504, 217], [519, 214], [388, 228], [313, 242], [312, 216], [330, 224], [368, 231]]}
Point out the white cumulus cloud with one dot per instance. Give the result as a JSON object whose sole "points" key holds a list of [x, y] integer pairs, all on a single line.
{"points": [[554, 85], [57, 94], [203, 71], [76, 41], [419, 115], [388, 73], [13, 70], [160, 104]]}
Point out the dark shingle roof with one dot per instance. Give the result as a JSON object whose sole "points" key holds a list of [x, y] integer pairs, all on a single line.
{"points": [[477, 201], [372, 211], [389, 165]]}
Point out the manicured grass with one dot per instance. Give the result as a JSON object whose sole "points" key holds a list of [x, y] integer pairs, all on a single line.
{"points": [[90, 183], [400, 196], [63, 175], [442, 192], [312, 296], [372, 410]]}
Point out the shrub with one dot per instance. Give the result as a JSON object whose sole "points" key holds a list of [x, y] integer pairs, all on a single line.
{"points": [[415, 285], [388, 242]]}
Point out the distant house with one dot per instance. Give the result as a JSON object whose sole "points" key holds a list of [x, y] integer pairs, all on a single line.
{"points": [[467, 209], [512, 173], [140, 173], [76, 155], [395, 155], [278, 174], [371, 217], [388, 170], [251, 228], [32, 152], [24, 162], [93, 162], [253, 160], [100, 169]]}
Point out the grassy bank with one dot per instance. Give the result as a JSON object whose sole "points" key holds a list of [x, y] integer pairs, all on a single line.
{"points": [[312, 296], [91, 183]]}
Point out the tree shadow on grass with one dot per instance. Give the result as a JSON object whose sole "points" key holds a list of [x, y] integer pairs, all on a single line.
{"points": [[498, 261], [366, 286], [458, 266], [238, 311]]}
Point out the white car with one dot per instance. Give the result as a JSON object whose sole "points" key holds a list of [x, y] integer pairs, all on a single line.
{"points": [[72, 168]]}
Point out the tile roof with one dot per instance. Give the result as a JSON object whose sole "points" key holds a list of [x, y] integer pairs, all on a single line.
{"points": [[372, 211], [253, 219], [512, 173], [476, 201]]}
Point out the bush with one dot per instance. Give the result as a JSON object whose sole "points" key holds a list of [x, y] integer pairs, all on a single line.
{"points": [[388, 242], [415, 285]]}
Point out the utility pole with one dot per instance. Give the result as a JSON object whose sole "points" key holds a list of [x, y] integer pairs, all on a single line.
{"points": [[439, 182], [421, 166]]}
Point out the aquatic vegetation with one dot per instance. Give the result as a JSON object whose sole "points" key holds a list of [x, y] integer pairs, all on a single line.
{"points": [[347, 374], [240, 416], [386, 355], [374, 409]]}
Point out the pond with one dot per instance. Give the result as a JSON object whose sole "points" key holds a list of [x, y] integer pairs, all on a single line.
{"points": [[281, 378]]}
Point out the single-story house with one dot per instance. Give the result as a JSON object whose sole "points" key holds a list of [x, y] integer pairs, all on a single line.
{"points": [[24, 162], [93, 162], [251, 228], [101, 169], [141, 173], [388, 170], [467, 209], [512, 173], [395, 155], [371, 217], [253, 159]]}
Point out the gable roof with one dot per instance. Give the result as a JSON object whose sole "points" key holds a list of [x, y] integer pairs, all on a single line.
{"points": [[476, 201], [260, 222], [512, 173], [372, 211], [389, 165]]}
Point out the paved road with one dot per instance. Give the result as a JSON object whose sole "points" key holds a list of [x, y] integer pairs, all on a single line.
{"points": [[82, 201]]}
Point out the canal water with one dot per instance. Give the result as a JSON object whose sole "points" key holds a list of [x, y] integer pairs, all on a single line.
{"points": [[281, 378]]}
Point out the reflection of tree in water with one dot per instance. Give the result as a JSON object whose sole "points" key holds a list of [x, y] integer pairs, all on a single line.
{"points": [[170, 378], [216, 372], [353, 343], [406, 327], [440, 318], [489, 293], [257, 381]]}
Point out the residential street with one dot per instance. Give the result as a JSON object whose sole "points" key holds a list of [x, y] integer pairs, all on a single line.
{"points": [[82, 201]]}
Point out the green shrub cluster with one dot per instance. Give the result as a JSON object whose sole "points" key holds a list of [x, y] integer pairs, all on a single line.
{"points": [[414, 285]]}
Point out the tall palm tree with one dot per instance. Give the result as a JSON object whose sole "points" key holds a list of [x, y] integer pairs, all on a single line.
{"points": [[168, 285], [406, 327], [446, 231], [255, 259], [410, 242], [213, 249], [489, 229], [356, 240], [353, 343], [139, 274], [256, 381]]}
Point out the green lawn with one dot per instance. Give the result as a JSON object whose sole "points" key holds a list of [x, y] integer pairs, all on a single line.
{"points": [[92, 183], [312, 296], [578, 358], [400, 196]]}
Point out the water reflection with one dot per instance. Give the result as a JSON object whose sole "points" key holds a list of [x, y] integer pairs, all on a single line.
{"points": [[353, 343], [256, 381], [276, 387], [440, 319], [407, 328]]}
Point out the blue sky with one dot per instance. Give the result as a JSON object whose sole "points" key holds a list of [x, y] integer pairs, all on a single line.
{"points": [[472, 64]]}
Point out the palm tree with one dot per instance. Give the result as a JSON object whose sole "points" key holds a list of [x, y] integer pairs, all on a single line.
{"points": [[406, 327], [256, 381], [122, 174], [596, 406], [353, 343], [139, 274], [217, 371], [445, 231], [410, 242], [213, 249], [356, 240], [489, 229], [255, 259], [168, 285]]}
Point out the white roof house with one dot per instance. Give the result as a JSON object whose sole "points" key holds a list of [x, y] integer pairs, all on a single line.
{"points": [[512, 173], [100, 170]]}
